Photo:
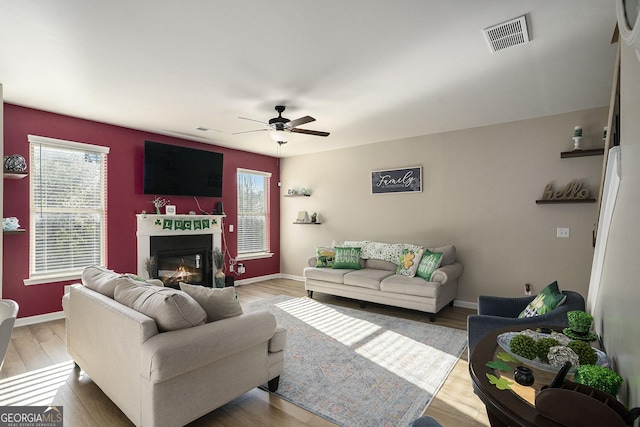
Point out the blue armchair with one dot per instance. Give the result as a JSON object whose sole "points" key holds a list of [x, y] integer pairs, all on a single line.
{"points": [[499, 312]]}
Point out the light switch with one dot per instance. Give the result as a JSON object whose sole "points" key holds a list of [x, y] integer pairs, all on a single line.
{"points": [[230, 228]]}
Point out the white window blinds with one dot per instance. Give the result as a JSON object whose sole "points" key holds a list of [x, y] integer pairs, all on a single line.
{"points": [[253, 211], [68, 182]]}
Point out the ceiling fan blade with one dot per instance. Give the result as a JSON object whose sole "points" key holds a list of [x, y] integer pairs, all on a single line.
{"points": [[310, 132], [254, 120], [247, 131], [301, 121]]}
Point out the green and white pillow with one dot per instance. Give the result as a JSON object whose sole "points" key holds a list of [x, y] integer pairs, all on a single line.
{"points": [[428, 264], [409, 260], [385, 251], [347, 258], [325, 257], [548, 299]]}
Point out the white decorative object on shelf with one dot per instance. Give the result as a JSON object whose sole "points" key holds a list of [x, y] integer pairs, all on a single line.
{"points": [[10, 224], [15, 163], [303, 216], [576, 143]]}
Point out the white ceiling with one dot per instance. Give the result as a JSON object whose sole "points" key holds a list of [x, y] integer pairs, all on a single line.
{"points": [[367, 70]]}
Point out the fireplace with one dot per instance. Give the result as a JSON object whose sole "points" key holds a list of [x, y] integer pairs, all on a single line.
{"points": [[180, 245], [182, 258]]}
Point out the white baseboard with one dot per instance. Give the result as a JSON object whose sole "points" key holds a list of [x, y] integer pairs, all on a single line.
{"points": [[465, 304], [24, 321]]}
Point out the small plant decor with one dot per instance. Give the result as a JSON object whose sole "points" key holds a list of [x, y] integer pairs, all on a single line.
{"points": [[599, 377], [159, 202], [579, 321], [542, 347], [524, 346], [150, 266], [585, 352]]}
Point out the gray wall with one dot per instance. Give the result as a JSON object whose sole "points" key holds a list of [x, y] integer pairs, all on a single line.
{"points": [[480, 187], [617, 307]]}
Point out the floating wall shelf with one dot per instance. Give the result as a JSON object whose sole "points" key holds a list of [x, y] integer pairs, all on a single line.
{"points": [[550, 201], [582, 153]]}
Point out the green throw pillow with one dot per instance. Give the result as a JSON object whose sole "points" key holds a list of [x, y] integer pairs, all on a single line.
{"points": [[324, 257], [544, 302], [347, 258], [408, 261], [428, 264]]}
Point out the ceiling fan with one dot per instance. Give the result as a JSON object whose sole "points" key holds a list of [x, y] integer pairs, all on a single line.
{"points": [[280, 127]]}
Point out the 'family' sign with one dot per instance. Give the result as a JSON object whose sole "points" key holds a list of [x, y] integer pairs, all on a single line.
{"points": [[406, 180]]}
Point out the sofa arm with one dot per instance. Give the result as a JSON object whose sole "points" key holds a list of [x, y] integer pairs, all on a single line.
{"points": [[172, 353], [279, 340], [447, 273]]}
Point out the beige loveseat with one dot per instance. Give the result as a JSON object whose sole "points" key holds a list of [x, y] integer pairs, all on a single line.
{"points": [[172, 377], [376, 280]]}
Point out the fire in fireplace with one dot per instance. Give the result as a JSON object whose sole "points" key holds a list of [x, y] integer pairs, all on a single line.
{"points": [[185, 258]]}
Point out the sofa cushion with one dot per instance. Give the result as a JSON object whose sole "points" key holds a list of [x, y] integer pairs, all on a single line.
{"points": [[218, 303], [429, 263], [102, 280], [325, 257], [408, 261], [548, 299], [347, 257], [326, 274], [170, 308], [410, 286], [367, 278], [448, 254]]}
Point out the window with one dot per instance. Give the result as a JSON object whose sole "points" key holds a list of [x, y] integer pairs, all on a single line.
{"points": [[68, 183], [253, 213]]}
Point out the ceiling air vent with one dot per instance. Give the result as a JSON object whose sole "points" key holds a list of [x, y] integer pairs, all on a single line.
{"points": [[507, 34]]}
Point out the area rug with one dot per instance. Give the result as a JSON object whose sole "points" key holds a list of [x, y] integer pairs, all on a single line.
{"points": [[356, 368]]}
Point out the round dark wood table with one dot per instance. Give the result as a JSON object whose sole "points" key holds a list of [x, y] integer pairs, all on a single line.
{"points": [[514, 406]]}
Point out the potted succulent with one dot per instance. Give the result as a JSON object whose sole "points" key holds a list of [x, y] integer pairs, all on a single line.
{"points": [[218, 261], [599, 377]]}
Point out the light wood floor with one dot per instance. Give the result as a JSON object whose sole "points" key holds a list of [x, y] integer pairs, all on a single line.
{"points": [[38, 371]]}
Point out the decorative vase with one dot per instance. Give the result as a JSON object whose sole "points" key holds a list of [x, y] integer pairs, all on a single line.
{"points": [[219, 278], [523, 375], [15, 163]]}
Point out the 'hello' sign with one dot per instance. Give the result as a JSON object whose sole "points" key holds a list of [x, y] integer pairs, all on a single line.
{"points": [[406, 180]]}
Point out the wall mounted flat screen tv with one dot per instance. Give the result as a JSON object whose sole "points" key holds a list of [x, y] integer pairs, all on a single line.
{"points": [[180, 171]]}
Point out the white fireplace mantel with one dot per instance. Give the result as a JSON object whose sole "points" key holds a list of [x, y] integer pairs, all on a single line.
{"points": [[174, 225]]}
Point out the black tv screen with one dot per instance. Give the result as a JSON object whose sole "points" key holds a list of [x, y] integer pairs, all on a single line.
{"points": [[180, 171]]}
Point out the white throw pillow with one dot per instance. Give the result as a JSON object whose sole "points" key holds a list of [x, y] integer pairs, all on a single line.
{"points": [[218, 303], [170, 308]]}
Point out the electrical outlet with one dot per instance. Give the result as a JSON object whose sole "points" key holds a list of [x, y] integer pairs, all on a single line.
{"points": [[231, 268], [562, 232]]}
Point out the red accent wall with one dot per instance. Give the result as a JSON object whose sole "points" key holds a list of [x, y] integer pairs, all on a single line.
{"points": [[125, 199]]}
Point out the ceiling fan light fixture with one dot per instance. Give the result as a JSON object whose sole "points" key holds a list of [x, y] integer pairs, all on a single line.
{"points": [[279, 136]]}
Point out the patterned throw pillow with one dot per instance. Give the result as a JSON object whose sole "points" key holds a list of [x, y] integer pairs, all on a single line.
{"points": [[385, 251], [428, 264], [409, 260], [324, 257], [544, 302], [347, 258]]}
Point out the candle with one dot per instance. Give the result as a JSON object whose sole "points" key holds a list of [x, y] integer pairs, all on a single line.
{"points": [[577, 132]]}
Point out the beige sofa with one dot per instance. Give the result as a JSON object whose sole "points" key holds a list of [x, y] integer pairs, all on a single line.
{"points": [[169, 378], [376, 281]]}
